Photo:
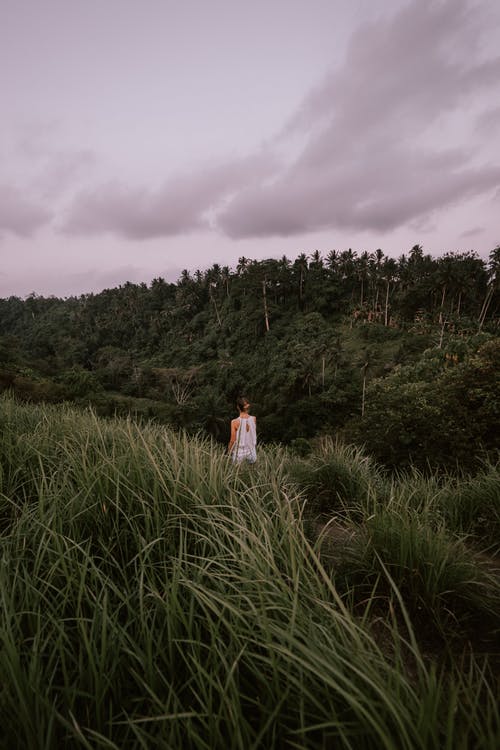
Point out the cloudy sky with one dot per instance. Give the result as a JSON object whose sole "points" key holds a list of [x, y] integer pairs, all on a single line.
{"points": [[141, 137]]}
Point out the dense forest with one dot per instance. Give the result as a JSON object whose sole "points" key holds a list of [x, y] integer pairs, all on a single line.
{"points": [[398, 355]]}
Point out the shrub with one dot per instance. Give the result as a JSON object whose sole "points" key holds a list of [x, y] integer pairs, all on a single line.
{"points": [[444, 585], [337, 477]]}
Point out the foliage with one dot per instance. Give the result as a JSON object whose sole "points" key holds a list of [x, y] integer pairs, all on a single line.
{"points": [[315, 341], [449, 421], [153, 595], [335, 477]]}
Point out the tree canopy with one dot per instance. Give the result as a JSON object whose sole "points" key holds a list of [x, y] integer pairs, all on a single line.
{"points": [[379, 350]]}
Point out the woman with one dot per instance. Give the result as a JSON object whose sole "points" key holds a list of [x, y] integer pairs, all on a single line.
{"points": [[243, 434]]}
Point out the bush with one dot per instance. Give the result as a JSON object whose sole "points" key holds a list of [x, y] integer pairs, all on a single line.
{"points": [[472, 507], [444, 585], [337, 477], [377, 332], [450, 422]]}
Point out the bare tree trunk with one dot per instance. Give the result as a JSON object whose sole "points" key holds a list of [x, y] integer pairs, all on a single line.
{"points": [[323, 372], [440, 345], [363, 396], [264, 298], [386, 315], [442, 304], [484, 308], [216, 308]]}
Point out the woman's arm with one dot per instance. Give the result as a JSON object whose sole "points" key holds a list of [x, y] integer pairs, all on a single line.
{"points": [[232, 439]]}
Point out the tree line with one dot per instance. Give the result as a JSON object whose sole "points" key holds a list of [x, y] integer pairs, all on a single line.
{"points": [[375, 349]]}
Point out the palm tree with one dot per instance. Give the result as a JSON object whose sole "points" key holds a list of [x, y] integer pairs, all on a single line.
{"points": [[362, 273], [347, 263], [301, 266], [493, 283], [225, 277], [242, 265], [375, 272], [316, 260], [389, 274], [332, 261]]}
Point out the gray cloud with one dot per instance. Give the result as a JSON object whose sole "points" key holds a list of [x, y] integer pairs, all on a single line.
{"points": [[473, 232], [19, 214], [180, 205], [36, 174], [488, 123], [375, 196], [374, 155], [407, 70], [367, 163], [60, 170]]}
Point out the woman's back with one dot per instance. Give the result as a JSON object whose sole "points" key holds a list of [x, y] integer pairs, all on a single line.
{"points": [[243, 441]]}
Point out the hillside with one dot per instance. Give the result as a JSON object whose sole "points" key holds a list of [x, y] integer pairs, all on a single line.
{"points": [[354, 343], [155, 596]]}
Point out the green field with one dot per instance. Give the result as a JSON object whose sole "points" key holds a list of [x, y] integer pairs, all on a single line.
{"points": [[153, 596]]}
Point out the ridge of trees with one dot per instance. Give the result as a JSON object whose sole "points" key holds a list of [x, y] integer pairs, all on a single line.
{"points": [[321, 343]]}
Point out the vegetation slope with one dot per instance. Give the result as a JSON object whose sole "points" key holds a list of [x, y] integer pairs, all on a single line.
{"points": [[400, 356], [153, 595]]}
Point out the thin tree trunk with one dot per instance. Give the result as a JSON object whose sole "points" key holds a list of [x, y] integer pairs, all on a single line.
{"points": [[443, 323], [386, 315], [216, 309], [442, 304], [264, 298], [363, 396], [484, 308]]}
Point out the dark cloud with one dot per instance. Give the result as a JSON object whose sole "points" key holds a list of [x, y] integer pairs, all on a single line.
{"points": [[19, 214], [373, 128], [60, 170], [406, 70], [374, 153], [36, 175], [488, 123], [376, 196], [473, 232], [180, 205]]}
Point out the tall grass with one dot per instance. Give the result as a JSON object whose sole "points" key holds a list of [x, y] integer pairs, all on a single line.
{"points": [[339, 478], [153, 595], [427, 531]]}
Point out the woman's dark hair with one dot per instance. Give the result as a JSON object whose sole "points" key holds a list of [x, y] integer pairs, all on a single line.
{"points": [[241, 402]]}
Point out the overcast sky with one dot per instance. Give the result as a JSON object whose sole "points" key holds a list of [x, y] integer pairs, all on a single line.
{"points": [[141, 137]]}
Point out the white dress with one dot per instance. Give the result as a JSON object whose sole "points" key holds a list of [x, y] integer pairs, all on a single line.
{"points": [[246, 440]]}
